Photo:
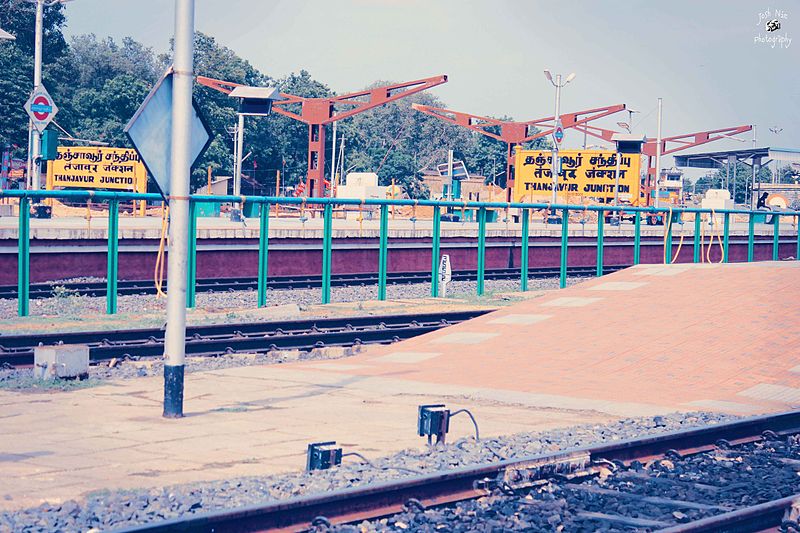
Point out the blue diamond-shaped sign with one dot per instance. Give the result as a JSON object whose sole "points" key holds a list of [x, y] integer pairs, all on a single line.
{"points": [[150, 131]]}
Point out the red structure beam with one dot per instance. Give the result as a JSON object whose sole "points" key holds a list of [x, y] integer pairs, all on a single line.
{"points": [[318, 112], [513, 133], [669, 145]]}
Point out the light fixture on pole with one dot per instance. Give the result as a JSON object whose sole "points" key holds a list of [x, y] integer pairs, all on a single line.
{"points": [[253, 101], [625, 144], [556, 164]]}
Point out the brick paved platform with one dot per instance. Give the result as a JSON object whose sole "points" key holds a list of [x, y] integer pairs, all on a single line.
{"points": [[718, 337], [648, 340]]}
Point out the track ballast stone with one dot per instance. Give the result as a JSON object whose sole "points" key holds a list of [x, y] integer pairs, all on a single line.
{"points": [[136, 304], [115, 509]]}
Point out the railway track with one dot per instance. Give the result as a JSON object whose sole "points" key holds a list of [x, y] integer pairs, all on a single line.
{"points": [[260, 337], [736, 476], [127, 287]]}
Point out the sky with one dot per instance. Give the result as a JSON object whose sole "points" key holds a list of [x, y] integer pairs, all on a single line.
{"points": [[704, 59]]}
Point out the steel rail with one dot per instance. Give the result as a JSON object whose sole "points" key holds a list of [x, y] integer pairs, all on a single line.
{"points": [[258, 337], [128, 287], [383, 499], [755, 518]]}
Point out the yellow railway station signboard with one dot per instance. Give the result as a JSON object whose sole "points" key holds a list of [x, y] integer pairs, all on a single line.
{"points": [[97, 168], [584, 173]]}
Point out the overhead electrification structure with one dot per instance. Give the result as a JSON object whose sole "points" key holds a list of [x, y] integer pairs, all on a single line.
{"points": [[514, 133], [669, 145], [318, 112]]}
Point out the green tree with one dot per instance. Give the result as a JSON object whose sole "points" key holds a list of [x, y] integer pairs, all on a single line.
{"points": [[16, 64], [741, 173]]}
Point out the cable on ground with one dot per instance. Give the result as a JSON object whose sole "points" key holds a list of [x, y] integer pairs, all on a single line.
{"points": [[158, 275], [667, 228], [477, 432]]}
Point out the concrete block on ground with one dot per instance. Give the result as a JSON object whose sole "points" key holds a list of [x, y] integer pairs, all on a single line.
{"points": [[61, 361]]}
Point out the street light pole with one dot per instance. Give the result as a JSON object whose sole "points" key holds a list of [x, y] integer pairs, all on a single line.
{"points": [[556, 164], [180, 165], [35, 138], [556, 167], [658, 153]]}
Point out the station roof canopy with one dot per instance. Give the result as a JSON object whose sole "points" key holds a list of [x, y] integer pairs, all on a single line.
{"points": [[4, 35], [720, 159]]}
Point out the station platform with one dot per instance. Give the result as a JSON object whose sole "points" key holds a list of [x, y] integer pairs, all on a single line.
{"points": [[644, 341]]}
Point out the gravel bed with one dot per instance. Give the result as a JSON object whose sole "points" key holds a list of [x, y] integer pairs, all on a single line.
{"points": [[622, 498], [106, 510], [70, 304]]}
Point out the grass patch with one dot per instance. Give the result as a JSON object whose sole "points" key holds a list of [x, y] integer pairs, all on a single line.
{"points": [[31, 384]]}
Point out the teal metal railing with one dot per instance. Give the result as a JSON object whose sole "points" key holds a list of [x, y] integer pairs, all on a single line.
{"points": [[327, 205]]}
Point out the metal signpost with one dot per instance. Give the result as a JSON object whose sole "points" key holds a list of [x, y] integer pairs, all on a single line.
{"points": [[445, 273], [150, 131], [41, 108]]}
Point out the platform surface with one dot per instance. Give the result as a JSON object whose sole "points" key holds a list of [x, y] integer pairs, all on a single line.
{"points": [[718, 337], [648, 340]]}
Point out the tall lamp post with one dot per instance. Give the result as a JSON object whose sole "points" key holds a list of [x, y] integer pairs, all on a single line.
{"points": [[34, 137], [556, 166]]}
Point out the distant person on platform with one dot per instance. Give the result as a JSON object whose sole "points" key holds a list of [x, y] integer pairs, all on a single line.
{"points": [[762, 201]]}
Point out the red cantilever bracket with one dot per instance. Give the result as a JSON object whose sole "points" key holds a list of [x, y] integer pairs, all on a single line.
{"points": [[317, 112], [684, 141], [513, 133]]}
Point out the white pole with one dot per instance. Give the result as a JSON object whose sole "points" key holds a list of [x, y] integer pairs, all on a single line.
{"points": [[753, 185], [237, 178], [556, 166], [333, 160], [180, 163], [36, 137], [658, 153], [616, 181], [450, 173]]}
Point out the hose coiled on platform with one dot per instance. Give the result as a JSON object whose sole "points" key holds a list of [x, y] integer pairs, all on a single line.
{"points": [[158, 275]]}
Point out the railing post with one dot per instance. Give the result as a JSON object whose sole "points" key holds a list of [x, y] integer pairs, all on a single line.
{"points": [[698, 218], [667, 218], [481, 249], [562, 278], [523, 254], [191, 263], [435, 245], [600, 225], [327, 234], [263, 244], [776, 236], [112, 260], [726, 232], [637, 237], [751, 226], [383, 252], [797, 252], [24, 257]]}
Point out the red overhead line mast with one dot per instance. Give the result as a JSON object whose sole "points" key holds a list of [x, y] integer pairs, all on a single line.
{"points": [[676, 144], [514, 133], [317, 112]]}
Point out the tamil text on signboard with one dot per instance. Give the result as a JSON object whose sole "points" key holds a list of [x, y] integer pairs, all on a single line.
{"points": [[97, 168], [586, 173]]}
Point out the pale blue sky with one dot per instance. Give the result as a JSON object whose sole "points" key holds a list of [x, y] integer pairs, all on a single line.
{"points": [[699, 56]]}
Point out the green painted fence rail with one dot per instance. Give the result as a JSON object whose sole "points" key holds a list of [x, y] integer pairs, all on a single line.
{"points": [[26, 198]]}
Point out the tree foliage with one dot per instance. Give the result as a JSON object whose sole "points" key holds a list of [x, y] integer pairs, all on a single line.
{"points": [[741, 174], [99, 83]]}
